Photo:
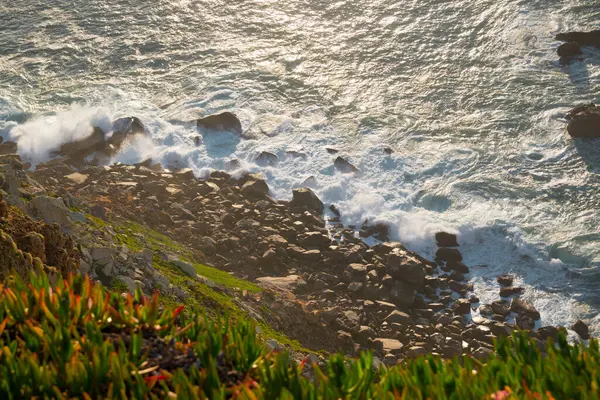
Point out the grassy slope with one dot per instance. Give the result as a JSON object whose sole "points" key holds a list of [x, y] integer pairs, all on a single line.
{"points": [[203, 298]]}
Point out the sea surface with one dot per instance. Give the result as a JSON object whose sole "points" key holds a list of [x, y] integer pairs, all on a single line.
{"points": [[469, 94]]}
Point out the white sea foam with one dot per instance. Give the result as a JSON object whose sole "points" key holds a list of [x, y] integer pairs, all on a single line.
{"points": [[42, 135]]}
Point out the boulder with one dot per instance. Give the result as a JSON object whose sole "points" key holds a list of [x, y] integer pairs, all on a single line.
{"points": [[186, 268], [267, 158], [391, 346], [225, 121], [304, 198], [77, 178], [8, 148], [79, 149], [403, 294], [400, 265], [399, 317], [584, 121], [416, 351], [51, 210], [582, 329], [123, 128], [344, 166], [582, 38], [255, 188], [445, 254], [568, 52], [505, 280], [522, 307], [445, 239], [458, 266]]}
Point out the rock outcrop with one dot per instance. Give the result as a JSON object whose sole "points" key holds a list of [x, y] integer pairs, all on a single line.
{"points": [[584, 121], [571, 50], [225, 121]]}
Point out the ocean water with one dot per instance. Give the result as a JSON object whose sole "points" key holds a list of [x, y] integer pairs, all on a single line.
{"points": [[468, 93]]}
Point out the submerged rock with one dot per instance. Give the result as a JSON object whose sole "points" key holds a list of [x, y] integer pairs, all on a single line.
{"points": [[267, 158], [343, 165], [224, 121], [584, 121]]}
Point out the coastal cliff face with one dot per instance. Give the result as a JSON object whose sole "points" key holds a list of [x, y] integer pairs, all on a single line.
{"points": [[223, 245]]}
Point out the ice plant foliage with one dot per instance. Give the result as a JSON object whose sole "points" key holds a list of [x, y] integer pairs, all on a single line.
{"points": [[75, 339]]}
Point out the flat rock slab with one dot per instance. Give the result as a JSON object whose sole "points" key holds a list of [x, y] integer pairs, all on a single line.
{"points": [[289, 282]]}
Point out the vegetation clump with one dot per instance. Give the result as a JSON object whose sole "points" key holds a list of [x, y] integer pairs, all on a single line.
{"points": [[76, 339]]}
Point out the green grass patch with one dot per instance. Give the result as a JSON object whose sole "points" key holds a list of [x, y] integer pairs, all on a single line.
{"points": [[225, 279], [78, 340]]}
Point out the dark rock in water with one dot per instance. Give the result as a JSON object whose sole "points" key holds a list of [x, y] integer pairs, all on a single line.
{"points": [[124, 127], [445, 254], [267, 158], [8, 148], [344, 165], [505, 280], [458, 266], [582, 38], [304, 198], [81, 148], [522, 307], [569, 49], [568, 52], [197, 140], [225, 121], [584, 121], [445, 239], [331, 150], [510, 291], [334, 210], [582, 329], [388, 150], [525, 322]]}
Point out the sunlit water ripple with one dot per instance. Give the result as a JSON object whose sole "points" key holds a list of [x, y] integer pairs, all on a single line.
{"points": [[468, 94]]}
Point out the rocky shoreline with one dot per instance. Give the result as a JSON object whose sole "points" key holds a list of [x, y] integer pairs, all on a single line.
{"points": [[322, 284]]}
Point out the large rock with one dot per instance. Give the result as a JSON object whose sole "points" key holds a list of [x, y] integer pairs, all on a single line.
{"points": [[522, 307], [51, 210], [392, 346], [186, 268], [304, 198], [445, 254], [79, 149], [123, 128], [401, 265], [584, 121], [582, 38], [255, 188], [445, 239], [225, 121], [582, 329], [403, 294], [344, 166], [399, 317]]}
